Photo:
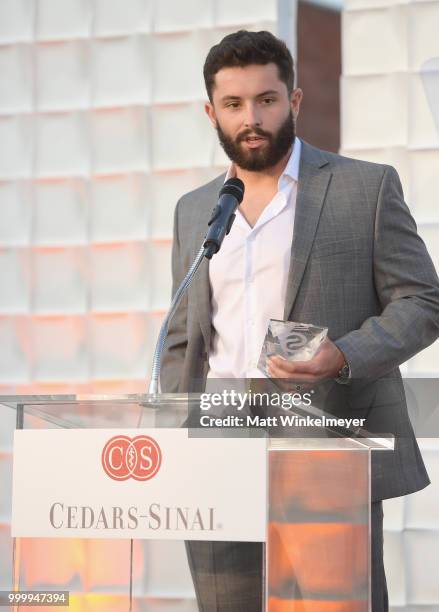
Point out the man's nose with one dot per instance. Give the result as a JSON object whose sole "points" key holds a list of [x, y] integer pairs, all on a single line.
{"points": [[252, 117]]}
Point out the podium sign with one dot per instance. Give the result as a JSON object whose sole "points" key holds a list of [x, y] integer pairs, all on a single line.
{"points": [[105, 483], [138, 483]]}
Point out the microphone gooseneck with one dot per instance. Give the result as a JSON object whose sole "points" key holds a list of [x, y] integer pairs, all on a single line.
{"points": [[220, 223]]}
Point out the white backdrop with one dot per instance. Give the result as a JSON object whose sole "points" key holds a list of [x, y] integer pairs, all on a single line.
{"points": [[102, 128], [390, 114]]}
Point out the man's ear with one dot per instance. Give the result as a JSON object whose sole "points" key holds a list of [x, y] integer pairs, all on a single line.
{"points": [[210, 112], [295, 101]]}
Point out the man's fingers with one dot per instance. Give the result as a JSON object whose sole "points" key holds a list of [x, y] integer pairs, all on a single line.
{"points": [[293, 367], [289, 371]]}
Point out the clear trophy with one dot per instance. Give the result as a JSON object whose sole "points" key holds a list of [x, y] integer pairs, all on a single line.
{"points": [[291, 340]]}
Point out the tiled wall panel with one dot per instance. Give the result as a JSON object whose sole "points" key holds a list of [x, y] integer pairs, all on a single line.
{"points": [[102, 129]]}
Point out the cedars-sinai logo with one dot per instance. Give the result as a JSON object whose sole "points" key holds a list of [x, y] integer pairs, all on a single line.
{"points": [[139, 458]]}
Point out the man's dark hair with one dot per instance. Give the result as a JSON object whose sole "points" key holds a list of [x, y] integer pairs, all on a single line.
{"points": [[244, 48]]}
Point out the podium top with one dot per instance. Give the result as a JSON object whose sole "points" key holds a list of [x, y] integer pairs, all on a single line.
{"points": [[23, 400], [167, 410]]}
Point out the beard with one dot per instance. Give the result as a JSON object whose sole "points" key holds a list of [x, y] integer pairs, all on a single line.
{"points": [[255, 160]]}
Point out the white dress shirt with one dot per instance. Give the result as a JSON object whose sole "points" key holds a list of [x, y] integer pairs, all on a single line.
{"points": [[248, 278]]}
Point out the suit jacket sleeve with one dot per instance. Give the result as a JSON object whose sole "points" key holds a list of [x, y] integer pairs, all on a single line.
{"points": [[176, 341], [407, 287]]}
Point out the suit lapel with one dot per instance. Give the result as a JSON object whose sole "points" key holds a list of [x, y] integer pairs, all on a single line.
{"points": [[312, 187]]}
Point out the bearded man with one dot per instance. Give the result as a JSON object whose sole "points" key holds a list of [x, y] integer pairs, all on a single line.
{"points": [[318, 238]]}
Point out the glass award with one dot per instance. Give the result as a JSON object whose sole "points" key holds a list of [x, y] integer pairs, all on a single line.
{"points": [[293, 341]]}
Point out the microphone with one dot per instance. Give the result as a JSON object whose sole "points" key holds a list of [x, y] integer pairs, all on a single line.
{"points": [[223, 215], [230, 197]]}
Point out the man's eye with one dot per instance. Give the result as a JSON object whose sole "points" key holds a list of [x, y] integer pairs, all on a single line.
{"points": [[232, 105], [268, 101]]}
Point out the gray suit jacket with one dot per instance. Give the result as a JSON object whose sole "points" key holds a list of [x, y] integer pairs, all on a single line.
{"points": [[357, 267]]}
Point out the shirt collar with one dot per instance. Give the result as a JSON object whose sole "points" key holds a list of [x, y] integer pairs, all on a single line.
{"points": [[291, 170]]}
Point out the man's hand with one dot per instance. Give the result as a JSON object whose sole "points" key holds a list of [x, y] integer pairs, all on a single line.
{"points": [[326, 364]]}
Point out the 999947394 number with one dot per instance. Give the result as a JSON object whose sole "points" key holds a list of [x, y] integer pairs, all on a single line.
{"points": [[34, 598]]}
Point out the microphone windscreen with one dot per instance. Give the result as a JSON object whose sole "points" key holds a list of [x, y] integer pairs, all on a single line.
{"points": [[234, 187]]}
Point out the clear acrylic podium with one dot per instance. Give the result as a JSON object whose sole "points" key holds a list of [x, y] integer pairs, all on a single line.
{"points": [[316, 557]]}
